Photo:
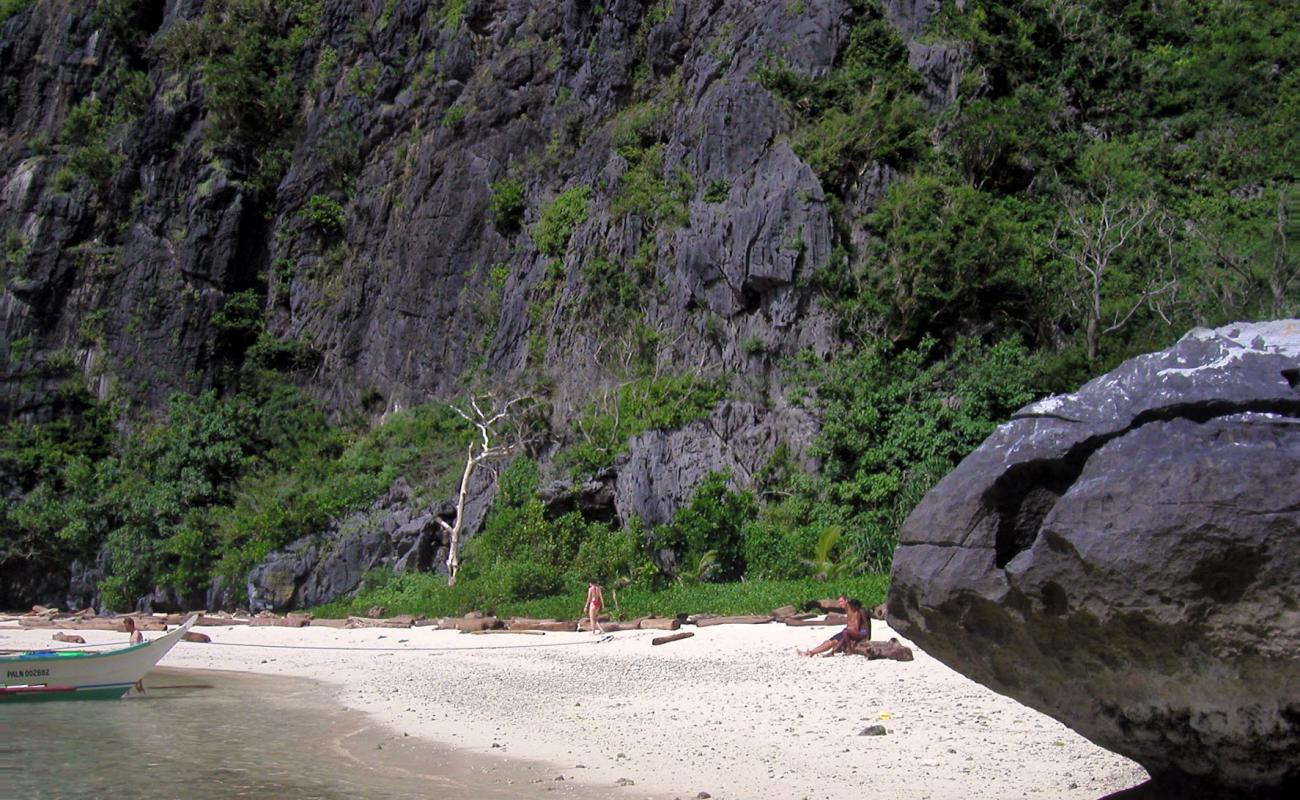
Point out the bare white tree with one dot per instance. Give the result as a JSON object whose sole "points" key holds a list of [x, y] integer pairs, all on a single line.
{"points": [[488, 416], [1285, 269], [1099, 227]]}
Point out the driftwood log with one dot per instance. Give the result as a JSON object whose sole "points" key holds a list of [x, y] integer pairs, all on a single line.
{"points": [[214, 622], [703, 622], [795, 622], [658, 624], [673, 638], [197, 638], [890, 649], [544, 625], [403, 621], [329, 623], [70, 638], [478, 623], [280, 622], [585, 625], [517, 632], [784, 611], [90, 624]]}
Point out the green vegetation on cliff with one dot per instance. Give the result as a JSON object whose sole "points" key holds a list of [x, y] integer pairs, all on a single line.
{"points": [[1095, 179]]}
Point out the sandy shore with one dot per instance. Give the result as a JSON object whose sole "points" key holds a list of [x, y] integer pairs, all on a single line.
{"points": [[731, 712]]}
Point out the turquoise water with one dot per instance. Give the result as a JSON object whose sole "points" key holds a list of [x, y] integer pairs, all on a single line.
{"points": [[218, 737]]}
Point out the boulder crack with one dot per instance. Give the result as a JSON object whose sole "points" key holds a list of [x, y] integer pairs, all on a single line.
{"points": [[1024, 495]]}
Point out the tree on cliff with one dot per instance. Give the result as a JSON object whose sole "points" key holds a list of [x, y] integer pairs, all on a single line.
{"points": [[491, 418], [1106, 289]]}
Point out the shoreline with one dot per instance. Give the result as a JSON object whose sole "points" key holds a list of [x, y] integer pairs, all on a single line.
{"points": [[732, 711]]}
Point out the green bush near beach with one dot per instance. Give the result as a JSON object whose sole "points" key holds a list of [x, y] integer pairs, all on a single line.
{"points": [[428, 595]]}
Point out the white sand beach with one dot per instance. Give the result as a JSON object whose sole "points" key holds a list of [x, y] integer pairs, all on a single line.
{"points": [[732, 712]]}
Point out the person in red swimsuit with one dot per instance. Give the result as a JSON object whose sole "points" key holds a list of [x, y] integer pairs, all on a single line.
{"points": [[595, 600]]}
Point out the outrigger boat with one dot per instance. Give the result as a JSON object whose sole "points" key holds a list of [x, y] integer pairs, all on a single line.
{"points": [[82, 674]]}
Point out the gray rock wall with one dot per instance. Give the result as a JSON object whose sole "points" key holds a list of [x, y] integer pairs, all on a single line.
{"points": [[117, 281]]}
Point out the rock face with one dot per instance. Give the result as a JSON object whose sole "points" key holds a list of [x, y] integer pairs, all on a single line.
{"points": [[663, 468], [156, 270], [1127, 560], [388, 536]]}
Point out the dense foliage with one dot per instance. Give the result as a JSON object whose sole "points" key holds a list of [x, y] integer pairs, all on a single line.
{"points": [[208, 490]]}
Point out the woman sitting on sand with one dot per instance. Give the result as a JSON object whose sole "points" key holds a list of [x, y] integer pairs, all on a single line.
{"points": [[857, 628]]}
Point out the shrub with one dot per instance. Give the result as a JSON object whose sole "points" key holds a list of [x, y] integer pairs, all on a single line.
{"points": [[608, 554], [453, 117], [667, 402], [553, 230], [949, 253], [710, 527], [529, 580], [508, 205], [9, 8], [775, 544], [894, 422], [324, 214], [643, 190], [84, 124]]}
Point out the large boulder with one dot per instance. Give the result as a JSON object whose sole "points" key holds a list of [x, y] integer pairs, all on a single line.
{"points": [[1126, 559]]}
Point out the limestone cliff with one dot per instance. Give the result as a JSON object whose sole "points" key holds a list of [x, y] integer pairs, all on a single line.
{"points": [[375, 192]]}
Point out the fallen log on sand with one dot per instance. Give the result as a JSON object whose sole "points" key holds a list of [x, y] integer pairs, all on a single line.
{"points": [[70, 638], [830, 619], [469, 623], [506, 630], [890, 649], [703, 622], [543, 625], [91, 624], [215, 622], [197, 638], [674, 638], [402, 621], [330, 623], [658, 624], [280, 622]]}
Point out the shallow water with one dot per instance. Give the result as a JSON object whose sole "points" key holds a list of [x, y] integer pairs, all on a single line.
{"points": [[221, 736]]}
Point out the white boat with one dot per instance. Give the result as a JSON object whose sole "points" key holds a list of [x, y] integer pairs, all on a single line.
{"points": [[83, 674]]}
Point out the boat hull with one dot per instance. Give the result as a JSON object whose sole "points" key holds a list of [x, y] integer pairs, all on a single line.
{"points": [[79, 675]]}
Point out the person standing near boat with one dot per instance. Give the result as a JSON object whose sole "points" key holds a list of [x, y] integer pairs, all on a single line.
{"points": [[136, 637], [595, 601]]}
